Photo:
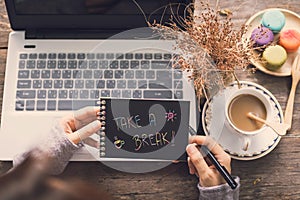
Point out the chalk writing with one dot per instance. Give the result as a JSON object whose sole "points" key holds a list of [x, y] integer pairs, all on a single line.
{"points": [[157, 139], [133, 121]]}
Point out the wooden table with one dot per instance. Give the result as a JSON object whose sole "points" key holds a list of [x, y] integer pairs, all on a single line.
{"points": [[275, 176]]}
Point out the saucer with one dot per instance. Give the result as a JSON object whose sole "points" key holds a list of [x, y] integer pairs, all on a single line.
{"points": [[292, 22], [213, 121]]}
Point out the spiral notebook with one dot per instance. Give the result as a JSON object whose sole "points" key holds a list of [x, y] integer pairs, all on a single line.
{"points": [[144, 129]]}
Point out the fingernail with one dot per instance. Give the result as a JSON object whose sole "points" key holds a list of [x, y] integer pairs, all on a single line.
{"points": [[191, 149]]}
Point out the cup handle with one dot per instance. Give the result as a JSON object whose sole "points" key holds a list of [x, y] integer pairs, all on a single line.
{"points": [[246, 143]]}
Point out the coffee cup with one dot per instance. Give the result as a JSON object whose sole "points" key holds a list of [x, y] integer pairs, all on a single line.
{"points": [[238, 105]]}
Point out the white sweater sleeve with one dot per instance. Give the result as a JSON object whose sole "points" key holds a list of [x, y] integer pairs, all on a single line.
{"points": [[220, 192], [56, 146]]}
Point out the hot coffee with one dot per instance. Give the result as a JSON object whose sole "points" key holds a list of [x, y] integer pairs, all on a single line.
{"points": [[240, 106]]}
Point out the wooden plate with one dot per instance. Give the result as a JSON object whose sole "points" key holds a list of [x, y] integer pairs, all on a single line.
{"points": [[292, 22]]}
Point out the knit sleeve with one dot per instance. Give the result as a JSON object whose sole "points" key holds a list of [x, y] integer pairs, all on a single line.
{"points": [[220, 192], [55, 146]]}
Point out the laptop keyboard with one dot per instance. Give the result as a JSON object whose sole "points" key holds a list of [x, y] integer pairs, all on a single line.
{"points": [[61, 81]]}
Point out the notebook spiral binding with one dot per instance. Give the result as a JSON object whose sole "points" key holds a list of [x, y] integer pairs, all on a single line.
{"points": [[102, 117]]}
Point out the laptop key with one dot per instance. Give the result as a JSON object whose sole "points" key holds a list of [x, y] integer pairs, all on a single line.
{"points": [[51, 64], [33, 56], [138, 56], [94, 94], [165, 84], [121, 84], [71, 55], [124, 64], [157, 56], [119, 56], [111, 84], [137, 94], [42, 56], [145, 64], [24, 84], [148, 56], [134, 64], [142, 84], [167, 56], [100, 84], [116, 93], [62, 64], [30, 104], [40, 105], [81, 56], [26, 94], [126, 93], [178, 84], [51, 105], [41, 64], [30, 64], [45, 73], [22, 64], [74, 104], [90, 56], [72, 64], [19, 105], [128, 56], [83, 94], [119, 74], [105, 93], [83, 64], [114, 64], [100, 56], [41, 94], [163, 94], [110, 56], [63, 94], [51, 55], [178, 94], [23, 74], [108, 74], [23, 56], [62, 56], [37, 84], [161, 64]]}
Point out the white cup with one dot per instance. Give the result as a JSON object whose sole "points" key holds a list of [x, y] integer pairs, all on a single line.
{"points": [[246, 135]]}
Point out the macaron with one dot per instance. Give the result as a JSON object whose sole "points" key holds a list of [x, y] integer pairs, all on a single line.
{"points": [[274, 20], [275, 57], [262, 36], [290, 40]]}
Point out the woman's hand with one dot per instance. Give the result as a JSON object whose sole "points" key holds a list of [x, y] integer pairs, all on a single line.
{"points": [[208, 174], [81, 124]]}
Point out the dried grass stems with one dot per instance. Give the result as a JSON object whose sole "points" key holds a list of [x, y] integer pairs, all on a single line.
{"points": [[209, 46]]}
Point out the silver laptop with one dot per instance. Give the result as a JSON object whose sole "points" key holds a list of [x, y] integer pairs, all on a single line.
{"points": [[66, 54]]}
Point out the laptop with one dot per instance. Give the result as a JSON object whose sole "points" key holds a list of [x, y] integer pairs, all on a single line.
{"points": [[66, 54]]}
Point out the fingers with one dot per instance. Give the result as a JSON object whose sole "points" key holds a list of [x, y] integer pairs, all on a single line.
{"points": [[92, 142], [84, 116], [199, 164], [89, 129], [87, 113], [212, 145], [192, 168], [85, 132]]}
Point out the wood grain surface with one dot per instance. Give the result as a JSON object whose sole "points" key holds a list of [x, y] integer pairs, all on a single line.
{"points": [[275, 176]]}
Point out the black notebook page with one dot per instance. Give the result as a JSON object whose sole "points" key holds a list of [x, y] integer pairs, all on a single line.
{"points": [[144, 129]]}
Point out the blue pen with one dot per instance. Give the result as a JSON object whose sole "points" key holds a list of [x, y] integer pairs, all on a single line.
{"points": [[222, 170]]}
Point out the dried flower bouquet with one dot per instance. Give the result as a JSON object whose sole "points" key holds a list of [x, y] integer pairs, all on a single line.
{"points": [[209, 46]]}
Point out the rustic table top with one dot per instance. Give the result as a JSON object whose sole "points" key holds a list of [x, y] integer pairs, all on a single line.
{"points": [[274, 176]]}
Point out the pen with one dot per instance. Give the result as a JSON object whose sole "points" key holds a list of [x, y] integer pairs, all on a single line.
{"points": [[222, 170]]}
